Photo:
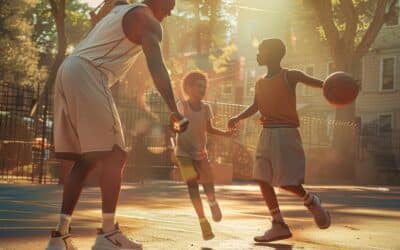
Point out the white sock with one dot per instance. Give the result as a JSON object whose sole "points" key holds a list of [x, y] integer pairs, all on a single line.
{"points": [[276, 215], [202, 220], [63, 224], [108, 222], [212, 202]]}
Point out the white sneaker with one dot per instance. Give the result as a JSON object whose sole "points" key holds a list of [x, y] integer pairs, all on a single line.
{"points": [[60, 242], [278, 231], [321, 216], [114, 240]]}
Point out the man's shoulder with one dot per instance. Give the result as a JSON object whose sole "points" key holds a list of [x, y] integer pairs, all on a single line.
{"points": [[142, 15], [140, 20]]}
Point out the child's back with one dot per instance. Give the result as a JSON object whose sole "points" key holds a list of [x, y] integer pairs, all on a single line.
{"points": [[276, 100]]}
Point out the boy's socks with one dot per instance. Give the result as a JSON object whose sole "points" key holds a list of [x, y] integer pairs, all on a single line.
{"points": [[206, 229], [310, 199], [108, 222], [63, 224], [276, 215]]}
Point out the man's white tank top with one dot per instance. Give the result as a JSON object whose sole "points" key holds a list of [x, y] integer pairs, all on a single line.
{"points": [[106, 46]]}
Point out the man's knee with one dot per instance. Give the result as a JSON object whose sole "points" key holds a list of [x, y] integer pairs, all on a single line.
{"points": [[118, 156]]}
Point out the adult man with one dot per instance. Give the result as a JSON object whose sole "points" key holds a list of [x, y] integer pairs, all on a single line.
{"points": [[87, 127]]}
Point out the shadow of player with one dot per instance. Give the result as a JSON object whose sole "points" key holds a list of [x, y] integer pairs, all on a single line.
{"points": [[276, 246]]}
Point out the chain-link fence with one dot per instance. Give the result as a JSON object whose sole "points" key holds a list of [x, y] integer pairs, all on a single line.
{"points": [[26, 148]]}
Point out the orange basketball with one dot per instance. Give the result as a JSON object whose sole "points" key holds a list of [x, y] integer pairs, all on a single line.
{"points": [[340, 89]]}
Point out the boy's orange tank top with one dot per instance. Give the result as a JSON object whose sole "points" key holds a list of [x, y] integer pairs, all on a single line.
{"points": [[276, 101]]}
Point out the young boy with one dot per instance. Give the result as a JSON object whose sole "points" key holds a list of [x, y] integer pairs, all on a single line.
{"points": [[191, 152], [280, 160]]}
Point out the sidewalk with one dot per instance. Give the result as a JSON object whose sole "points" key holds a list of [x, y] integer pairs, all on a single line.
{"points": [[160, 216]]}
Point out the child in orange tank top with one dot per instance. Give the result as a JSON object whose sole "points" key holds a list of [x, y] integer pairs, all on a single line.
{"points": [[280, 160]]}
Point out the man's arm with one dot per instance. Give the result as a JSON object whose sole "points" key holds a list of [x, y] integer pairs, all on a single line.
{"points": [[151, 39], [295, 76]]}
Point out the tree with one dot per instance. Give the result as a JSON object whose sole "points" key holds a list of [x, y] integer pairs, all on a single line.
{"points": [[350, 27], [17, 51], [77, 25]]}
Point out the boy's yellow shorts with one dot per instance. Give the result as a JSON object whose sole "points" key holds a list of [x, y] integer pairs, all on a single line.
{"points": [[199, 170]]}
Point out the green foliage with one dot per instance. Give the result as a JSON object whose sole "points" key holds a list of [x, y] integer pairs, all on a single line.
{"points": [[17, 51], [219, 62], [77, 24]]}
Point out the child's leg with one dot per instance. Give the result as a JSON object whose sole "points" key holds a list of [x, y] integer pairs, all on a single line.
{"points": [[209, 190], [313, 203], [297, 190], [194, 194], [269, 195], [215, 210], [198, 206], [279, 229]]}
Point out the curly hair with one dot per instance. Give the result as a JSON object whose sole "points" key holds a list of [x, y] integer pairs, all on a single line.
{"points": [[192, 77]]}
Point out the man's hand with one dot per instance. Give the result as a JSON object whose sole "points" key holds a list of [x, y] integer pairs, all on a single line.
{"points": [[232, 123], [179, 123]]}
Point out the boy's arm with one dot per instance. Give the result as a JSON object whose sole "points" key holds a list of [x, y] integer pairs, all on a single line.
{"points": [[249, 111], [212, 130], [295, 76]]}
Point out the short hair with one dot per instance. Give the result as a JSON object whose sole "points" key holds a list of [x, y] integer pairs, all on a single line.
{"points": [[192, 77], [277, 45]]}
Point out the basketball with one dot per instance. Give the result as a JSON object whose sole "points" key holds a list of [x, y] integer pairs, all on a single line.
{"points": [[340, 89]]}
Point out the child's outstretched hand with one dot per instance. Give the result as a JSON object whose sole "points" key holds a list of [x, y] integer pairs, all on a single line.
{"points": [[232, 123], [230, 132]]}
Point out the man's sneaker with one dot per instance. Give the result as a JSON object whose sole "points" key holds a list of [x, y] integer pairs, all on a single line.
{"points": [[215, 211], [278, 231], [206, 230], [60, 242], [321, 216], [114, 240]]}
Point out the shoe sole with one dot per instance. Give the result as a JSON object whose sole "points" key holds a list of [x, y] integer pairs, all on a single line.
{"points": [[283, 237]]}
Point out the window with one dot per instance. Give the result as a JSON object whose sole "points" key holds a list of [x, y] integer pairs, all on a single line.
{"points": [[394, 19], [330, 68], [388, 66], [306, 90], [385, 123]]}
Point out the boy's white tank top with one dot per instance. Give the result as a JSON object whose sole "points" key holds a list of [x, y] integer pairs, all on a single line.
{"points": [[106, 46]]}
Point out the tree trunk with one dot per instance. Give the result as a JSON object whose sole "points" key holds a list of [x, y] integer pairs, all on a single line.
{"points": [[344, 134]]}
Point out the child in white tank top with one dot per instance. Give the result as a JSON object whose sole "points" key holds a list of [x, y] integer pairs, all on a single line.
{"points": [[191, 149]]}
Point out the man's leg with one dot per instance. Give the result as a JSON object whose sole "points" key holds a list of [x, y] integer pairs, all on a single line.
{"points": [[72, 190], [110, 185]]}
